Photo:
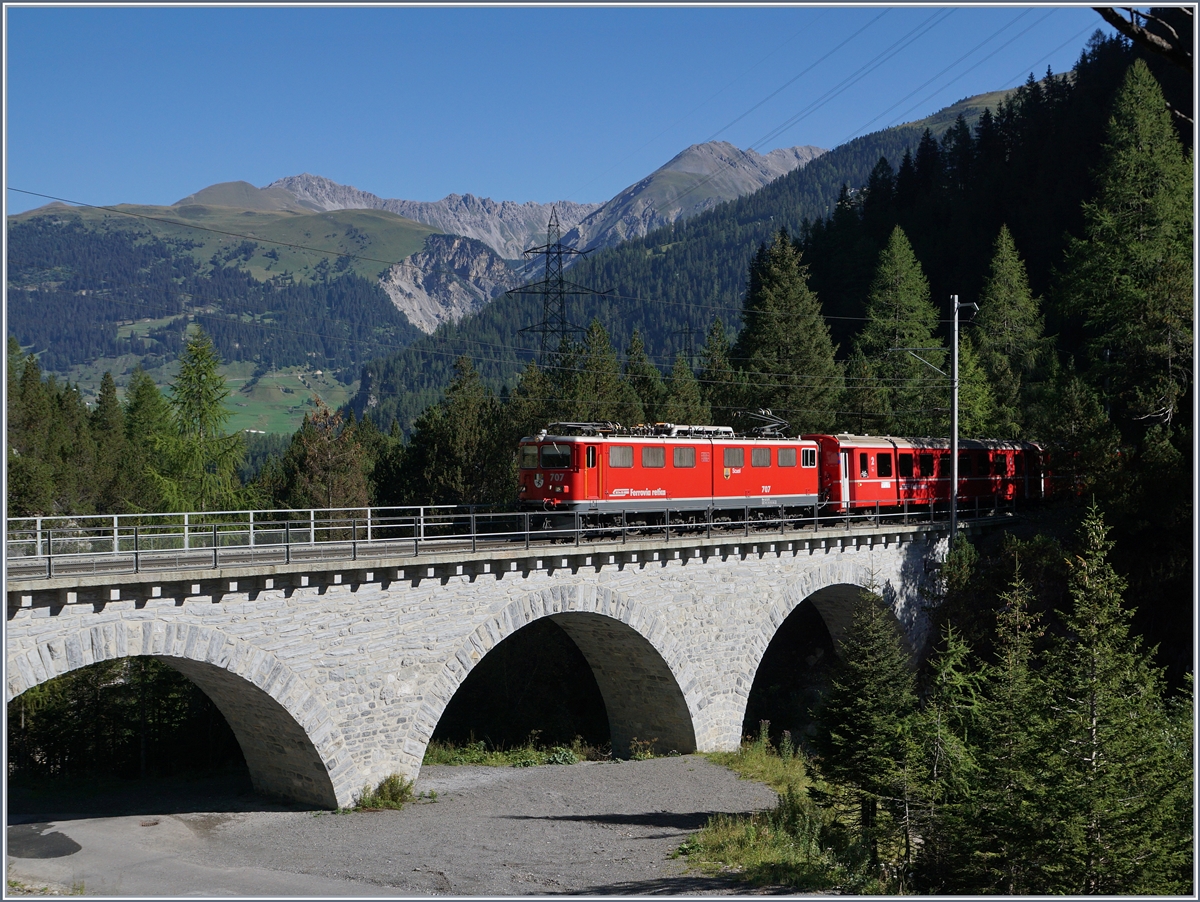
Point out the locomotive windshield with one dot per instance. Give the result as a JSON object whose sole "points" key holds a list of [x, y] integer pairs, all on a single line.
{"points": [[556, 456], [529, 454]]}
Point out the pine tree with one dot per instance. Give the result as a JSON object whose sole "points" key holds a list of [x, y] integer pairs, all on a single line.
{"points": [[865, 718], [900, 315], [1132, 274], [784, 349], [684, 400], [1112, 767], [325, 466], [1009, 334], [645, 379]]}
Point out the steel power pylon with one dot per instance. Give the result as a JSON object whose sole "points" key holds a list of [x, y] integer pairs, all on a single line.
{"points": [[554, 290]]}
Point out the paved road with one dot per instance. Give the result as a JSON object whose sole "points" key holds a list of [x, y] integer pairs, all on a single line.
{"points": [[596, 828]]}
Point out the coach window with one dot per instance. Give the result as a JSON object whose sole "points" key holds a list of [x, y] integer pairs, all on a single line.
{"points": [[883, 465], [654, 456], [964, 465], [760, 457], [529, 457], [944, 466], [735, 457], [1001, 465], [808, 458], [862, 466], [556, 456], [787, 457], [904, 466], [620, 456], [1019, 460], [591, 457], [926, 462], [684, 457]]}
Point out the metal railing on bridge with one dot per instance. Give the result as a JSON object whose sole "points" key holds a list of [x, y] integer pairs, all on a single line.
{"points": [[45, 547]]}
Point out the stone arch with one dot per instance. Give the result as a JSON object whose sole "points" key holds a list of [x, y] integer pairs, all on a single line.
{"points": [[292, 747], [618, 638]]}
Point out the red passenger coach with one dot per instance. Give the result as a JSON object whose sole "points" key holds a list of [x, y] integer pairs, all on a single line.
{"points": [[862, 471], [600, 467]]}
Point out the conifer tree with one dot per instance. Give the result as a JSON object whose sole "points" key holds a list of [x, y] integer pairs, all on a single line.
{"points": [[900, 315], [720, 384], [865, 718], [1008, 332], [976, 397], [865, 407], [1131, 276], [644, 377], [198, 463], [599, 393], [112, 476], [1112, 769], [147, 426], [784, 349], [684, 400], [325, 466]]}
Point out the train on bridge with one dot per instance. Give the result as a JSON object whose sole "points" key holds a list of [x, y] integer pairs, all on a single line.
{"points": [[602, 467]]}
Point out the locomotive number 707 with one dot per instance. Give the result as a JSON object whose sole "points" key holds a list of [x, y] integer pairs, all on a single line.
{"points": [[766, 489]]}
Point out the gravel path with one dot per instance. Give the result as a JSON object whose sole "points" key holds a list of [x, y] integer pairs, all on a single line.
{"points": [[595, 828]]}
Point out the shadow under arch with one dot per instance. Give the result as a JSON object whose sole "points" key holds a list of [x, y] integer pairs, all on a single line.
{"points": [[292, 749], [642, 674]]}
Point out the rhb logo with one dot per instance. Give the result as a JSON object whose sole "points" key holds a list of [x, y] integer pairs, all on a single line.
{"points": [[620, 493]]}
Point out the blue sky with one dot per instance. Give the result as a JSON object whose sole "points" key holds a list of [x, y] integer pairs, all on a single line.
{"points": [[112, 105]]}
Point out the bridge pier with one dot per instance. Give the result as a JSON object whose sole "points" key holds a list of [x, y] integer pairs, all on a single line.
{"points": [[333, 676]]}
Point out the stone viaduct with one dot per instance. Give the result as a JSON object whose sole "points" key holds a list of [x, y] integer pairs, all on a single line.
{"points": [[333, 676]]}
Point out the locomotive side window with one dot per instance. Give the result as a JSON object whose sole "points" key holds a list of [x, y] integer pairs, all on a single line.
{"points": [[808, 458], [735, 457], [926, 462], [883, 465], [905, 465], [684, 457], [787, 457], [556, 456], [620, 456], [529, 457], [654, 456], [760, 457], [591, 456]]}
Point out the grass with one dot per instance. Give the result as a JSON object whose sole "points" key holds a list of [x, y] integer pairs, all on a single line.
{"points": [[19, 888], [393, 792], [531, 754], [798, 844]]}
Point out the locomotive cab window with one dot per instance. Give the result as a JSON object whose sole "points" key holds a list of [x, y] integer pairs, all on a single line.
{"points": [[654, 456], [883, 465], [787, 457], [529, 457], [926, 462], [735, 457], [905, 465], [591, 457], [556, 456], [760, 457], [684, 457], [808, 458], [620, 456]]}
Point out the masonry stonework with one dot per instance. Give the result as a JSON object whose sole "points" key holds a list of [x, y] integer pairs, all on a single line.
{"points": [[333, 680]]}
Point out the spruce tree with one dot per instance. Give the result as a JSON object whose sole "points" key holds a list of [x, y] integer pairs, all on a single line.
{"points": [[784, 349], [112, 476], [147, 425], [1131, 276], [976, 397], [1113, 771], [1008, 333], [325, 466], [684, 401], [720, 384], [865, 407], [599, 394], [900, 315], [645, 379], [866, 716]]}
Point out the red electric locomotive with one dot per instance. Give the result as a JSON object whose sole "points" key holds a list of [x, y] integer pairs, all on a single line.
{"points": [[600, 467]]}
